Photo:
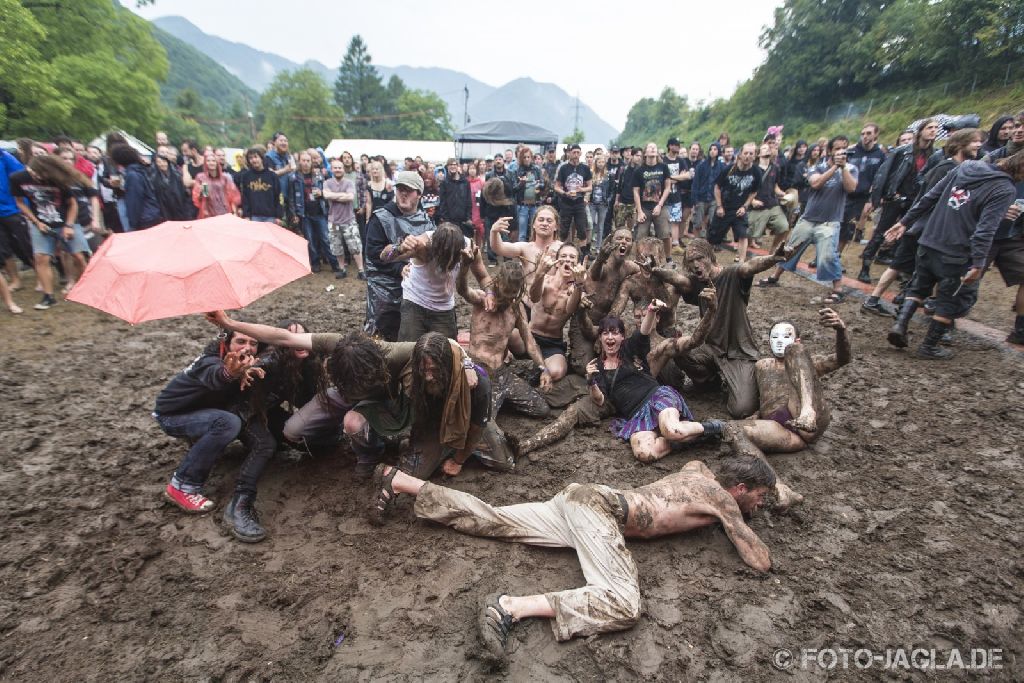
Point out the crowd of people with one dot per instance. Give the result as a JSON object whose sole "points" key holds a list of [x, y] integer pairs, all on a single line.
{"points": [[581, 264]]}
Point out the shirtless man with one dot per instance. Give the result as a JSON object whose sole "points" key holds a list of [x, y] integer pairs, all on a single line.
{"points": [[555, 294], [489, 333], [606, 275], [545, 225], [587, 517], [792, 413], [642, 288]]}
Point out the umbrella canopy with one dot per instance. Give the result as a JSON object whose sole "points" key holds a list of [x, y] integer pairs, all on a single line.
{"points": [[184, 267]]}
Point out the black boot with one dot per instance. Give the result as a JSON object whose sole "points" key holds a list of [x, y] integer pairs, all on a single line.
{"points": [[930, 348], [240, 515], [865, 273], [898, 332], [1017, 336]]}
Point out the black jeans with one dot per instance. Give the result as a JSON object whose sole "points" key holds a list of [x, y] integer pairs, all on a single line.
{"points": [[569, 214], [261, 443], [953, 298], [891, 212]]}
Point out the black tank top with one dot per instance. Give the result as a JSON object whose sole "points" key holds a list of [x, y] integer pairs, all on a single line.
{"points": [[378, 198]]}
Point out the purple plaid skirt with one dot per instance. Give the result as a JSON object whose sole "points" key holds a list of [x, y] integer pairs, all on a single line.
{"points": [[645, 419]]}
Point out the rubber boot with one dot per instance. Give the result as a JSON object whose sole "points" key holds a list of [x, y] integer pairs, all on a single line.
{"points": [[240, 515], [494, 451], [898, 332], [930, 348], [865, 273]]}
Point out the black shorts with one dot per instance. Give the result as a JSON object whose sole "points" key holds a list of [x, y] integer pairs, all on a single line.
{"points": [[905, 255], [550, 346], [1008, 256], [15, 239], [686, 199], [721, 226]]}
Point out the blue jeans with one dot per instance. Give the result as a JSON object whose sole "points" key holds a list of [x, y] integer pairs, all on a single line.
{"points": [[598, 214], [524, 216], [211, 430], [262, 219], [825, 238], [318, 241]]}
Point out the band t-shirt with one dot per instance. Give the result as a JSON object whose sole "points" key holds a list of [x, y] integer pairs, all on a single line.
{"points": [[49, 203], [675, 167], [573, 178], [736, 185], [766, 192], [651, 182]]}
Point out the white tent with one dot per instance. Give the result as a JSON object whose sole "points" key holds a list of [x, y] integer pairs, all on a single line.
{"points": [[138, 145], [392, 150]]}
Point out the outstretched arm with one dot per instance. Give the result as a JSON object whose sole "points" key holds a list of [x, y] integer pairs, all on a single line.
{"points": [[763, 263], [587, 328], [670, 348], [681, 282], [474, 297], [532, 350], [276, 336], [844, 353], [752, 549]]}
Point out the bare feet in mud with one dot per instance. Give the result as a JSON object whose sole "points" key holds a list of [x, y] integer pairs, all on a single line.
{"points": [[804, 422], [786, 497]]}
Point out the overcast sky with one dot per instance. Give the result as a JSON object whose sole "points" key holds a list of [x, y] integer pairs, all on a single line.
{"points": [[702, 48]]}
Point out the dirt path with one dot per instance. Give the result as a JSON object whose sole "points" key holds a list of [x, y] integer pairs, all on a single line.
{"points": [[910, 535]]}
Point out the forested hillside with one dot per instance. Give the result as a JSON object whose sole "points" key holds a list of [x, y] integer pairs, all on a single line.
{"points": [[832, 60]]}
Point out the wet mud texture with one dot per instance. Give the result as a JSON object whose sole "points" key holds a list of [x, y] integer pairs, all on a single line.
{"points": [[910, 534]]}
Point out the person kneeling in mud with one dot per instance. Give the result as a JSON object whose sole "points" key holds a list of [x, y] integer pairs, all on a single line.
{"points": [[384, 389], [793, 413], [489, 335], [594, 519], [202, 404]]}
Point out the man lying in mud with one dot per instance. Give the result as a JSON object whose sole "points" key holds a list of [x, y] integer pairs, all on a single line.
{"points": [[793, 412], [594, 519], [489, 334]]}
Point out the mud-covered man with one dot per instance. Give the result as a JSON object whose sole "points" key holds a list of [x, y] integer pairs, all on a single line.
{"points": [[609, 270], [730, 352], [793, 412], [595, 520], [642, 287], [489, 334]]}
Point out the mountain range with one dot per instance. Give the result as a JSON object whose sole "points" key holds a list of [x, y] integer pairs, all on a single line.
{"points": [[523, 99]]}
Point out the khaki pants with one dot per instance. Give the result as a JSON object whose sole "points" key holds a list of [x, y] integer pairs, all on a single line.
{"points": [[582, 516]]}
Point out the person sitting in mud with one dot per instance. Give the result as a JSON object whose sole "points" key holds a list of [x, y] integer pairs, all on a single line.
{"points": [[652, 418], [489, 334], [595, 520], [201, 404], [730, 351], [374, 381], [609, 270], [555, 294], [793, 413], [642, 288], [428, 292]]}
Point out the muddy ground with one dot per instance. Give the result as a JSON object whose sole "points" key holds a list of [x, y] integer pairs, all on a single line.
{"points": [[910, 535]]}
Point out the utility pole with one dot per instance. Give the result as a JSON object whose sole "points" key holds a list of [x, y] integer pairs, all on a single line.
{"points": [[576, 124], [465, 106]]}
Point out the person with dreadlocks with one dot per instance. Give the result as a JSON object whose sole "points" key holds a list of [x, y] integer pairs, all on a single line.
{"points": [[428, 291], [202, 403], [489, 336], [384, 389]]}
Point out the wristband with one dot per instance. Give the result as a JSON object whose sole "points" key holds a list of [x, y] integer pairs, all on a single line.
{"points": [[467, 363]]}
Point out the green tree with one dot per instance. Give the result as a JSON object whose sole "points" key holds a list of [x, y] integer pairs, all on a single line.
{"points": [[422, 115], [91, 66], [359, 90], [299, 103], [575, 138]]}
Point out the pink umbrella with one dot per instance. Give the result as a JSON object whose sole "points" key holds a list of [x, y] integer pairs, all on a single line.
{"points": [[184, 267]]}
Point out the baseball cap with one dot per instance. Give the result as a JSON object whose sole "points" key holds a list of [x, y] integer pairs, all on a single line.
{"points": [[672, 141], [614, 148], [572, 147], [410, 179]]}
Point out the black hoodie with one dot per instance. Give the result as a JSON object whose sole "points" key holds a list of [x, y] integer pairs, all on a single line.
{"points": [[966, 208], [205, 383]]}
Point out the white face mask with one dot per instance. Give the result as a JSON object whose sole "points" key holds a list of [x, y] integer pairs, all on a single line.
{"points": [[782, 335]]}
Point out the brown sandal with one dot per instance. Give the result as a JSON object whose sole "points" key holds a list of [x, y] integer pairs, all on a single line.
{"points": [[383, 494]]}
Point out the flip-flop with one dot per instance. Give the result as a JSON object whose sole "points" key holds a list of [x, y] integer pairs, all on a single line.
{"points": [[495, 624], [383, 494], [768, 282]]}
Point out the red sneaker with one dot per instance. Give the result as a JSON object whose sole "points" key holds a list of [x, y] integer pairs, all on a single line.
{"points": [[194, 503]]}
